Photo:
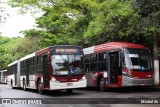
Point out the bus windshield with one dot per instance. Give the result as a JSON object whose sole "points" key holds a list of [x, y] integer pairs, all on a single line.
{"points": [[138, 59], [67, 64]]}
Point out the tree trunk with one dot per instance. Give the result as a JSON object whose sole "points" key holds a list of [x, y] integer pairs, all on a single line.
{"points": [[155, 46], [156, 61]]}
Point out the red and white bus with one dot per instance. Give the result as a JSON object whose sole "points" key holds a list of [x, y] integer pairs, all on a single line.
{"points": [[52, 68], [118, 64]]}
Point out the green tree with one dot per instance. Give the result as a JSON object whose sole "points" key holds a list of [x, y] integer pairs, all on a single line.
{"points": [[3, 43], [63, 22], [149, 10], [84, 22], [12, 49], [89, 22], [114, 20], [2, 12]]}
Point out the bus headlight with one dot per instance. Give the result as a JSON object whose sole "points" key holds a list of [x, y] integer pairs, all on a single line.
{"points": [[53, 79], [83, 78], [149, 76]]}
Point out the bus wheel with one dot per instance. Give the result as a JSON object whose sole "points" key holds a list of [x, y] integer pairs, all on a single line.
{"points": [[40, 91], [12, 84], [24, 85], [101, 85], [69, 91]]}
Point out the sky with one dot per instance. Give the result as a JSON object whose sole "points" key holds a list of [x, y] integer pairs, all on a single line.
{"points": [[16, 22]]}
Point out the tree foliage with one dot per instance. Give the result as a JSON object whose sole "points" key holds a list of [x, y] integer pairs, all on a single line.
{"points": [[84, 22], [149, 10], [12, 49], [3, 55], [3, 12]]}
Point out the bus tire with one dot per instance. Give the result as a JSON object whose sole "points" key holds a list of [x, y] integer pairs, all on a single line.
{"points": [[12, 84], [24, 85], [40, 91], [101, 85], [69, 91]]}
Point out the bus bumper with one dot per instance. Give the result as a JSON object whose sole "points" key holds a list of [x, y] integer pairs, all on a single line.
{"points": [[56, 85], [127, 81]]}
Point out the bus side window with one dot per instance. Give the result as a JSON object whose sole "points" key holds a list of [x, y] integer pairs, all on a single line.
{"points": [[87, 63], [123, 59], [93, 62], [35, 60], [102, 61]]}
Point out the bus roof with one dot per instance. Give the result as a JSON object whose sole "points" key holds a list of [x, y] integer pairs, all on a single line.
{"points": [[65, 46], [111, 45], [28, 56], [3, 70], [12, 63]]}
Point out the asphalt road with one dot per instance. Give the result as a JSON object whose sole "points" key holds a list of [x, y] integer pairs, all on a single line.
{"points": [[90, 97]]}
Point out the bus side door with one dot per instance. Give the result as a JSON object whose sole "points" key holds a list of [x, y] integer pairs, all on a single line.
{"points": [[45, 70], [114, 67]]}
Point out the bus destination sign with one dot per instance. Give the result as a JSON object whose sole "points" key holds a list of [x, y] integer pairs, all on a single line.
{"points": [[66, 50]]}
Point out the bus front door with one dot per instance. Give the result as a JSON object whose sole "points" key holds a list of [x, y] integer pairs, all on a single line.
{"points": [[45, 71], [114, 68], [15, 74], [27, 72]]}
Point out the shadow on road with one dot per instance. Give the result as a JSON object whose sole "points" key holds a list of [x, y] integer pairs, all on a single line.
{"points": [[127, 89], [55, 93], [60, 93]]}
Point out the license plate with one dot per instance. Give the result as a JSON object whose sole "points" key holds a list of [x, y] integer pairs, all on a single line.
{"points": [[142, 84], [69, 84]]}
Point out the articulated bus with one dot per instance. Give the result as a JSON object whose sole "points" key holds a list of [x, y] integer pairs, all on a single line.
{"points": [[3, 76], [52, 68], [118, 64]]}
